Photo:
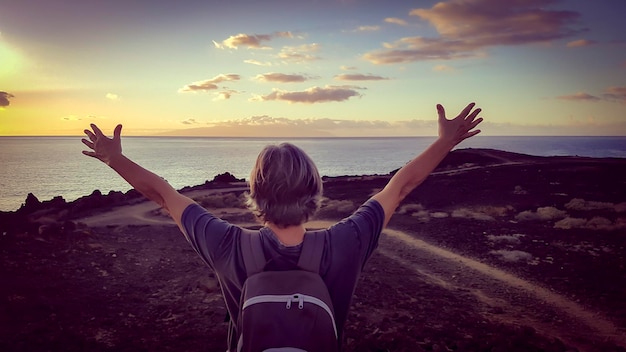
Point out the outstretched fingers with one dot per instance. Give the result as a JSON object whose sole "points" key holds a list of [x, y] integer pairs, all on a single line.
{"points": [[467, 110], [98, 133]]}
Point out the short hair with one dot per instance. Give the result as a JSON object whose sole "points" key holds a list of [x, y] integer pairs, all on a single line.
{"points": [[285, 186]]}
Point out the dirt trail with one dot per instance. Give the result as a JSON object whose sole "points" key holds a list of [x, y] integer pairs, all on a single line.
{"points": [[514, 300]]}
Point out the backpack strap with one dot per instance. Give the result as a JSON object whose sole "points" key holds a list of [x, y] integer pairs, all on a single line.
{"points": [[312, 250], [254, 258], [252, 251]]}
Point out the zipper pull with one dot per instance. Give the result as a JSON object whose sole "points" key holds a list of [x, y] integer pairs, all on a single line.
{"points": [[301, 302]]}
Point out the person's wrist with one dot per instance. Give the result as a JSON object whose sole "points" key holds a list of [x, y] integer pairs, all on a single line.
{"points": [[114, 159], [446, 142]]}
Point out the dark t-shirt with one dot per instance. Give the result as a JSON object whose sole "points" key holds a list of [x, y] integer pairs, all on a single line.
{"points": [[349, 244]]}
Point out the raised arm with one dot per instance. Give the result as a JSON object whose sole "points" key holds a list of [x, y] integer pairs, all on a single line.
{"points": [[153, 187], [451, 133]]}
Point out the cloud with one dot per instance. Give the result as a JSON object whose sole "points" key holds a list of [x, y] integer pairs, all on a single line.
{"points": [[468, 27], [5, 99], [612, 94], [350, 68], [190, 122], [580, 43], [320, 124], [251, 41], [443, 68], [209, 84], [280, 77], [580, 96], [224, 95], [615, 94], [397, 21], [112, 96], [298, 54], [258, 63], [311, 95], [366, 29], [359, 77]]}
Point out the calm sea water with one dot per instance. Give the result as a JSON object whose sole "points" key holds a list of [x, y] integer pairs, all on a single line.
{"points": [[51, 166]]}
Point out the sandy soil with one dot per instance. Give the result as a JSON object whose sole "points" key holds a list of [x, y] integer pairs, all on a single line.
{"points": [[494, 252]]}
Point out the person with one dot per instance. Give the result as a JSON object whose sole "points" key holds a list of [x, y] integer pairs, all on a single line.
{"points": [[285, 189]]}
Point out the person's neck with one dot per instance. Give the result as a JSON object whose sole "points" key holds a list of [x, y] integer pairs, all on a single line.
{"points": [[288, 236]]}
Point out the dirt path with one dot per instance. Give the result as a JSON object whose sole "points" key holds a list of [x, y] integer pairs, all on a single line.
{"points": [[505, 297]]}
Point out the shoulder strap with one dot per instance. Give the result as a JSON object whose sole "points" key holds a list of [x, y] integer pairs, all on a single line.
{"points": [[252, 251], [312, 251]]}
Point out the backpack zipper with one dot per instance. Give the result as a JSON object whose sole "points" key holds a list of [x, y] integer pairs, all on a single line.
{"points": [[288, 299]]}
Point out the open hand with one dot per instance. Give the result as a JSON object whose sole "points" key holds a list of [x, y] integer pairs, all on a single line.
{"points": [[103, 147], [461, 127]]}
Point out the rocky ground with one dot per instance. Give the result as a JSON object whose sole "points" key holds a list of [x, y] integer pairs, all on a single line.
{"points": [[493, 252]]}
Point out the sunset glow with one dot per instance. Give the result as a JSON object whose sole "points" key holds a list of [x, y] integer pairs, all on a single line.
{"points": [[314, 68]]}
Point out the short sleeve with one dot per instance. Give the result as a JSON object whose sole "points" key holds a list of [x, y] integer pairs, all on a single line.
{"points": [[357, 235], [211, 237], [368, 220]]}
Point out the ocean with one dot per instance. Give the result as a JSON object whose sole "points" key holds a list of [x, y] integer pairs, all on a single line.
{"points": [[52, 166]]}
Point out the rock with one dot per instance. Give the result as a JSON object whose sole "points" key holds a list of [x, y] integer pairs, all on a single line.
{"points": [[31, 204], [226, 178]]}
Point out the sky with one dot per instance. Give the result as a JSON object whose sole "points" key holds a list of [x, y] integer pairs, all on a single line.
{"points": [[311, 68]]}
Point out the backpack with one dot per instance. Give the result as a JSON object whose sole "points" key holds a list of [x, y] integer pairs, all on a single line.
{"points": [[286, 310]]}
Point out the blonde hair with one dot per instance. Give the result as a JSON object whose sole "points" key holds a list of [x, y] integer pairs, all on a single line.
{"points": [[285, 186]]}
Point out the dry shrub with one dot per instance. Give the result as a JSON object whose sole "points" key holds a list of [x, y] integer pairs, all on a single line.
{"points": [[542, 213], [439, 214], [410, 208], [220, 200], [512, 256], [595, 223], [471, 214], [519, 190], [584, 205], [570, 223], [422, 216], [494, 211]]}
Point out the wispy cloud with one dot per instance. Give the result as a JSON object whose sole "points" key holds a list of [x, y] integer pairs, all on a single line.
{"points": [[280, 77], [580, 43], [443, 68], [468, 27], [112, 96], [250, 41], [359, 77], [351, 68], [311, 95], [366, 29], [395, 20], [257, 63], [5, 99], [612, 94], [224, 95], [615, 94], [209, 84], [190, 122], [580, 96], [320, 124], [299, 54]]}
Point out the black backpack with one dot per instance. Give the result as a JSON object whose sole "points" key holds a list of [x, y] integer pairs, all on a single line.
{"points": [[286, 310]]}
